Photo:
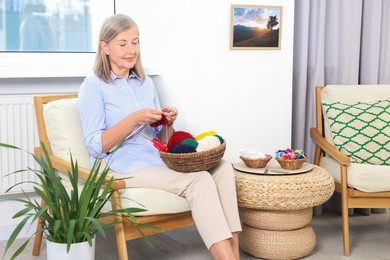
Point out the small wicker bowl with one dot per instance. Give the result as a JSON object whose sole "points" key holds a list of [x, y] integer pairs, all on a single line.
{"points": [[256, 163], [291, 164], [193, 162]]}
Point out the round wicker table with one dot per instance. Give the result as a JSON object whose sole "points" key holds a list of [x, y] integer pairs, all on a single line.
{"points": [[276, 211]]}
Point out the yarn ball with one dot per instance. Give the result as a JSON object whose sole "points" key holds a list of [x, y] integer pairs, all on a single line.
{"points": [[252, 154], [178, 137], [207, 133], [207, 143], [183, 148], [289, 154], [191, 142]]}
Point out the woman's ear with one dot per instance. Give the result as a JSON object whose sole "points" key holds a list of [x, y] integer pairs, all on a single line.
{"points": [[104, 47]]}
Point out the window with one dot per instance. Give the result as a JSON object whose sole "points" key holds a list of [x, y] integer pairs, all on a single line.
{"points": [[48, 31]]}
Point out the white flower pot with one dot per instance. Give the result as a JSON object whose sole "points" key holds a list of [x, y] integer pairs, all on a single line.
{"points": [[57, 251]]}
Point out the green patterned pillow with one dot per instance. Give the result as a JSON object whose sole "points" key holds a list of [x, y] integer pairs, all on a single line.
{"points": [[361, 130]]}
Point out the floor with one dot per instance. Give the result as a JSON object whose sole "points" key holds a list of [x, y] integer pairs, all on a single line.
{"points": [[370, 239]]}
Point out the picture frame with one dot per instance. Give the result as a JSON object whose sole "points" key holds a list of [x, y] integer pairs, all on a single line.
{"points": [[255, 27]]}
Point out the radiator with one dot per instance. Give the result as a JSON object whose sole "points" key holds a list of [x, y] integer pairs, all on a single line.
{"points": [[18, 128]]}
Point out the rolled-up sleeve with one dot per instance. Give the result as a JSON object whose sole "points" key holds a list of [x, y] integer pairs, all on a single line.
{"points": [[91, 109]]}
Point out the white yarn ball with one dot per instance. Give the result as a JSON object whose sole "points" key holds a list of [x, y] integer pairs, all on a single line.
{"points": [[207, 143]]}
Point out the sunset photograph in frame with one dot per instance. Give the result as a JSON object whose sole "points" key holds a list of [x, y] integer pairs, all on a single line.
{"points": [[255, 27]]}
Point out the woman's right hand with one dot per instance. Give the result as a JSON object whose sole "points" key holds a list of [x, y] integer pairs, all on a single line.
{"points": [[146, 116]]}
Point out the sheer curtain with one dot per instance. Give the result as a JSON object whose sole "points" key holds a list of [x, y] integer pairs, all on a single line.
{"points": [[336, 42]]}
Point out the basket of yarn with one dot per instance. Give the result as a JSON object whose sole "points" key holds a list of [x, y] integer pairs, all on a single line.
{"points": [[254, 159], [290, 159], [187, 153]]}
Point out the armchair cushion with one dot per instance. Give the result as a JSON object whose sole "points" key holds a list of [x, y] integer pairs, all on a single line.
{"points": [[65, 135], [361, 130], [64, 130], [364, 177], [155, 201]]}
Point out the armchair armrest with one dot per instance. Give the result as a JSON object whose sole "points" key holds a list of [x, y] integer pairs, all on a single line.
{"points": [[65, 166], [319, 140]]}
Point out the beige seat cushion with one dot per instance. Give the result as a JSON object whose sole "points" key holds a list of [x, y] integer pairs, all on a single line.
{"points": [[154, 201], [364, 177], [65, 135]]}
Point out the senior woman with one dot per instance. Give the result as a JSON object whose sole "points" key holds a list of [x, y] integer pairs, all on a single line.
{"points": [[117, 99]]}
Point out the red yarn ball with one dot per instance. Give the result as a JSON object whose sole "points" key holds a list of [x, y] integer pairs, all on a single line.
{"points": [[178, 137]]}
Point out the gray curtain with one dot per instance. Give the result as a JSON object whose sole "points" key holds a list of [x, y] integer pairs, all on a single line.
{"points": [[336, 42]]}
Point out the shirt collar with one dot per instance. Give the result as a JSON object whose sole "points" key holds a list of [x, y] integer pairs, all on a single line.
{"points": [[132, 75]]}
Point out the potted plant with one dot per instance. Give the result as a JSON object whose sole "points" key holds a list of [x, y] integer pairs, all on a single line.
{"points": [[69, 217]]}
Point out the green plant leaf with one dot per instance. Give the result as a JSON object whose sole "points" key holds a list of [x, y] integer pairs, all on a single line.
{"points": [[151, 226], [98, 226], [40, 211], [57, 225], [23, 212], [9, 146], [20, 183], [16, 232], [70, 234], [20, 249], [88, 237], [145, 237]]}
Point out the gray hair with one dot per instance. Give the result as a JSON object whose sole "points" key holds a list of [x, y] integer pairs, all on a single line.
{"points": [[113, 26]]}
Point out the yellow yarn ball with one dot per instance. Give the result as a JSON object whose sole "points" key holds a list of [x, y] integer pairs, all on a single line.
{"points": [[207, 133]]}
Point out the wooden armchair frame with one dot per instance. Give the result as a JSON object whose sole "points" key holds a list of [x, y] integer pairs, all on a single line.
{"points": [[124, 231], [350, 198]]}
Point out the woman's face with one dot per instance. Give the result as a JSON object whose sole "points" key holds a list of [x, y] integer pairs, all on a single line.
{"points": [[123, 51]]}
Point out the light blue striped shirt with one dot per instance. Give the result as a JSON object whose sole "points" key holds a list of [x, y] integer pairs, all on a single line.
{"points": [[102, 105]]}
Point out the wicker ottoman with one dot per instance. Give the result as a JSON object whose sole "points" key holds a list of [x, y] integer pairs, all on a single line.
{"points": [[276, 212]]}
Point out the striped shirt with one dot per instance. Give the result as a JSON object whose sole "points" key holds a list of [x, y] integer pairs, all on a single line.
{"points": [[102, 105]]}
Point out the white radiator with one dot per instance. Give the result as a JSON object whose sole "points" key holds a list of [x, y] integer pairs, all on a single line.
{"points": [[18, 128]]}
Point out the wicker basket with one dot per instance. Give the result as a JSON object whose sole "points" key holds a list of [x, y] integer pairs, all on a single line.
{"points": [[193, 162], [269, 244], [256, 163], [276, 219], [291, 164]]}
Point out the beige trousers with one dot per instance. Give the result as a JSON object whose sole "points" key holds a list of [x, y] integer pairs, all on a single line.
{"points": [[211, 196]]}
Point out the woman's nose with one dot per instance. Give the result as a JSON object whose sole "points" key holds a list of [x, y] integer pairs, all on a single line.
{"points": [[131, 49]]}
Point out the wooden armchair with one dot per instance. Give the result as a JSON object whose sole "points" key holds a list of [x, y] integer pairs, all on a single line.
{"points": [[61, 137], [362, 184]]}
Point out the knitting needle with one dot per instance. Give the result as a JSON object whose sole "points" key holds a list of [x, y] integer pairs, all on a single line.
{"points": [[166, 128], [157, 143], [132, 134], [166, 133]]}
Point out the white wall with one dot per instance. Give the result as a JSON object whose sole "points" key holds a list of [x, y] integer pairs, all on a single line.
{"points": [[244, 95]]}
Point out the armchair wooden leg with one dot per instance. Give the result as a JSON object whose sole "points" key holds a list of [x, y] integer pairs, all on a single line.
{"points": [[345, 223], [39, 235], [344, 211], [119, 229]]}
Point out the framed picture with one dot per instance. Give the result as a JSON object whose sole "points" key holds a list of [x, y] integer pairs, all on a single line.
{"points": [[255, 27]]}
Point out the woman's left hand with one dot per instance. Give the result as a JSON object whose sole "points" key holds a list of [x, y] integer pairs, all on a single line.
{"points": [[170, 114]]}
